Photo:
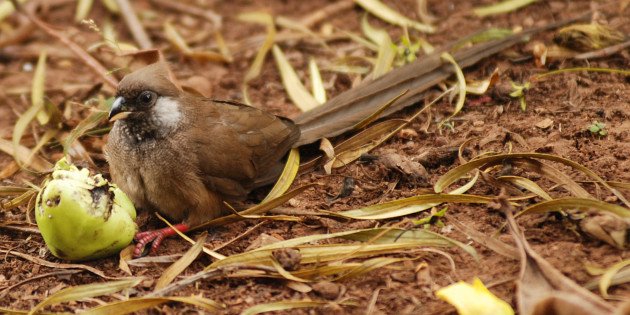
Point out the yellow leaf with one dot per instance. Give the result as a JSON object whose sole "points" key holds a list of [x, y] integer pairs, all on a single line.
{"points": [[137, 304], [286, 178], [86, 291], [461, 84], [280, 306], [473, 299], [316, 82], [387, 14], [83, 9], [297, 92], [608, 275], [502, 7], [181, 264], [267, 20]]}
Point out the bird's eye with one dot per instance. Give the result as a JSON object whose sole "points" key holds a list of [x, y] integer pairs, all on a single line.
{"points": [[146, 98]]}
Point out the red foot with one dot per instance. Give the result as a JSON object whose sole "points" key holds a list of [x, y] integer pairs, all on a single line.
{"points": [[156, 237]]}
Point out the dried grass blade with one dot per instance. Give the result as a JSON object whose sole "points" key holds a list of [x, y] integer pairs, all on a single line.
{"points": [[386, 236], [360, 40], [502, 7], [46, 263], [461, 84], [38, 88], [258, 209], [368, 266], [111, 5], [482, 86], [83, 9], [368, 139], [387, 14], [8, 311], [109, 37], [86, 291], [266, 20], [137, 304], [6, 191], [37, 105], [620, 277], [181, 264], [526, 184], [208, 251], [607, 277], [284, 273], [540, 283], [43, 140], [386, 50], [92, 121], [384, 59], [423, 13], [374, 116], [492, 243], [317, 85], [6, 8], [575, 203], [287, 177], [365, 141], [19, 200], [292, 84], [375, 242], [580, 69], [124, 256], [555, 175], [36, 163], [407, 206], [255, 68], [223, 47], [281, 306], [175, 39], [454, 174], [320, 254]]}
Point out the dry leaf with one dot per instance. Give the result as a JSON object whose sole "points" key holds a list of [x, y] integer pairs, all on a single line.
{"points": [[545, 123], [542, 289]]}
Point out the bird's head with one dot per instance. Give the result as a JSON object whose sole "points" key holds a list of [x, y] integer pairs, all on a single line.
{"points": [[147, 94]]}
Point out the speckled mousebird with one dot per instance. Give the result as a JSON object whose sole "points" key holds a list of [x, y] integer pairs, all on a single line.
{"points": [[183, 155]]}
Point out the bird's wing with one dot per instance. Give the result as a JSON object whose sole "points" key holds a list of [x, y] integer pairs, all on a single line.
{"points": [[239, 145]]}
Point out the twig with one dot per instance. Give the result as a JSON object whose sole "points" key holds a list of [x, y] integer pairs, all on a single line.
{"points": [[54, 273], [19, 35], [239, 236], [25, 229], [46, 263], [136, 28], [604, 52], [76, 49], [205, 274], [208, 15], [326, 12]]}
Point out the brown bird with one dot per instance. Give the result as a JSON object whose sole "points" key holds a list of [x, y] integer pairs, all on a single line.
{"points": [[183, 155]]}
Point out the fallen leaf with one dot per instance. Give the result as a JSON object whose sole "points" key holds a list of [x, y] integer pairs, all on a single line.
{"points": [[545, 123]]}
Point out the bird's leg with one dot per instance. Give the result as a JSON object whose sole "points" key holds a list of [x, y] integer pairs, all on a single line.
{"points": [[156, 237]]}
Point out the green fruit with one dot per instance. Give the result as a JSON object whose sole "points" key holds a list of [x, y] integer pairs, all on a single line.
{"points": [[83, 217]]}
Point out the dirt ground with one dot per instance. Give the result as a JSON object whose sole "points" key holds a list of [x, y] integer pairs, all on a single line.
{"points": [[573, 101]]}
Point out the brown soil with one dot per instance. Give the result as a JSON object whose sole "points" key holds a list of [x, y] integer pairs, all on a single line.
{"points": [[572, 100]]}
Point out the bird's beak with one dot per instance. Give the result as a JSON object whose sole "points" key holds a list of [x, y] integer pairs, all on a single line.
{"points": [[119, 110]]}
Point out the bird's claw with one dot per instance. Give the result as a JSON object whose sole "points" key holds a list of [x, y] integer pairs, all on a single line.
{"points": [[155, 237]]}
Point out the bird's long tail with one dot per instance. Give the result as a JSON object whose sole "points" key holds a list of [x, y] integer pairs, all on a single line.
{"points": [[344, 111]]}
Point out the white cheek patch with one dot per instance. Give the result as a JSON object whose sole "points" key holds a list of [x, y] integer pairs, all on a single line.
{"points": [[167, 111]]}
